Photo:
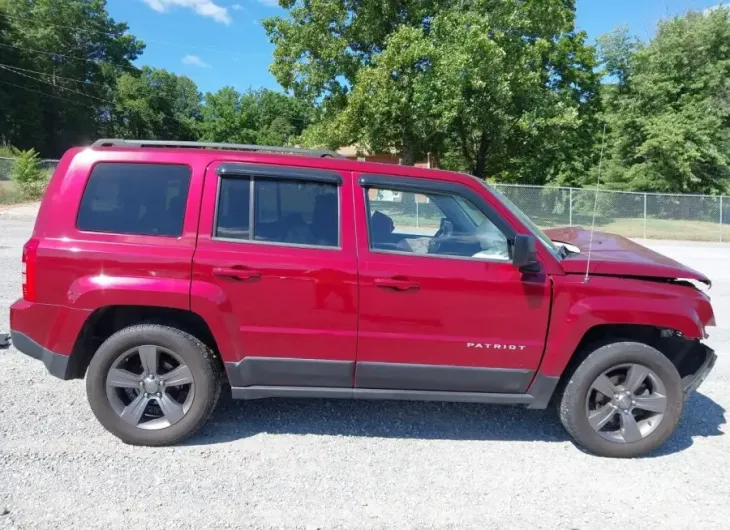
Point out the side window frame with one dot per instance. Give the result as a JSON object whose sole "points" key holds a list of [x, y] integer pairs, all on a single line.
{"points": [[428, 186], [102, 233], [253, 172]]}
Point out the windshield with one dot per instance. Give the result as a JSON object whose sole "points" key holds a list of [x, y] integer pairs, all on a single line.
{"points": [[552, 247]]}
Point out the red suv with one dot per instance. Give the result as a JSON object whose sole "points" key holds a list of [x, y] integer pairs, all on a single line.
{"points": [[161, 271]]}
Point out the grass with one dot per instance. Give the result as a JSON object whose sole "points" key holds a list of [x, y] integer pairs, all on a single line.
{"points": [[669, 229], [8, 193]]}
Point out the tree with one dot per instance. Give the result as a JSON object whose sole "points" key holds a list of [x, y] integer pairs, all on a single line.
{"points": [[262, 117], [322, 46], [475, 83], [156, 104], [616, 51], [518, 90], [67, 57], [670, 129]]}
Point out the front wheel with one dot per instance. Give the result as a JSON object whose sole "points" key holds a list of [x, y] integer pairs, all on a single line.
{"points": [[624, 400], [152, 385]]}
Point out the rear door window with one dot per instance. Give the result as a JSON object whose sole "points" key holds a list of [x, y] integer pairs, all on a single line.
{"points": [[283, 211], [139, 199]]}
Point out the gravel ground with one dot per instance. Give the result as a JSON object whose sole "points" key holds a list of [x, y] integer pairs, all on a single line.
{"points": [[339, 464]]}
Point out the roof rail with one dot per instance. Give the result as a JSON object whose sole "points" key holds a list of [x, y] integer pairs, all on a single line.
{"points": [[118, 142]]}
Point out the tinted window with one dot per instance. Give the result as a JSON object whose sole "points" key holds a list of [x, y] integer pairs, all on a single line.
{"points": [[433, 224], [234, 206], [142, 199], [297, 212]]}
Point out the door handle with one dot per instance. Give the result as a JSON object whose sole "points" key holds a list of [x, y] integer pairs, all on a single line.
{"points": [[396, 284], [236, 273]]}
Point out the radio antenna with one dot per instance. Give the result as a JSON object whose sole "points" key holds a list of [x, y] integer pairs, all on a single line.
{"points": [[595, 204]]}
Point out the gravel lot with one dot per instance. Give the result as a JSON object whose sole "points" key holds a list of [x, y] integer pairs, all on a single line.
{"points": [[338, 464]]}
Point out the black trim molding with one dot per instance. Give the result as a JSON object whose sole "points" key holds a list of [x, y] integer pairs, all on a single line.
{"points": [[56, 364], [541, 390], [272, 371], [261, 392], [270, 377], [427, 377], [283, 172]]}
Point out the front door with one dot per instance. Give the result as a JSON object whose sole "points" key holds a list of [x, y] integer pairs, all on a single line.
{"points": [[441, 306], [277, 245]]}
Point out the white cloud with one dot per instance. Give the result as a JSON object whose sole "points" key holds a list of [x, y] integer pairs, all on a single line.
{"points": [[195, 61], [204, 8], [718, 6], [237, 7], [270, 3]]}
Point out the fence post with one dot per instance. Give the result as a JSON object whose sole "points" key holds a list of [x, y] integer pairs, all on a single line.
{"points": [[721, 219], [570, 201], [644, 216]]}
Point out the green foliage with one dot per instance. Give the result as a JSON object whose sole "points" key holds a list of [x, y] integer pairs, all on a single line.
{"points": [[508, 90], [154, 103], [8, 151], [501, 89], [669, 117], [260, 117], [44, 106], [28, 176]]}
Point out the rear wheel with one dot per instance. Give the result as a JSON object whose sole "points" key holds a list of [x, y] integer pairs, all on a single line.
{"points": [[153, 385], [623, 400]]}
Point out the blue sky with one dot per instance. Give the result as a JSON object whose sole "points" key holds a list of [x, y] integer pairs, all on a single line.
{"points": [[220, 42]]}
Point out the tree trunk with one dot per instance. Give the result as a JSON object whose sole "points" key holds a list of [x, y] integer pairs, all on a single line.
{"points": [[409, 153], [408, 156], [480, 166]]}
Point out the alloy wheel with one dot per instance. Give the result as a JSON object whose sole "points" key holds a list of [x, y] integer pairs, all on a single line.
{"points": [[150, 387], [626, 403]]}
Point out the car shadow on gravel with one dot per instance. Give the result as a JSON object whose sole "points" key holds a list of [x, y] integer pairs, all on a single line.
{"points": [[234, 420]]}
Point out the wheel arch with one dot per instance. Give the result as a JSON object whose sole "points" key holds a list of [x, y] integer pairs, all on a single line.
{"points": [[103, 322], [686, 354]]}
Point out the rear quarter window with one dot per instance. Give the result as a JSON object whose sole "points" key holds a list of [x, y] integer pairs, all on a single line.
{"points": [[138, 199]]}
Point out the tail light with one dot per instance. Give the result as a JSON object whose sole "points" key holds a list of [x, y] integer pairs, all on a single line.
{"points": [[29, 270]]}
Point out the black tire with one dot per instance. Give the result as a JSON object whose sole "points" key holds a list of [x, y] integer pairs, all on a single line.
{"points": [[573, 413], [204, 367]]}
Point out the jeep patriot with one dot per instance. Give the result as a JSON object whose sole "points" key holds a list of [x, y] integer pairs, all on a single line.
{"points": [[163, 272]]}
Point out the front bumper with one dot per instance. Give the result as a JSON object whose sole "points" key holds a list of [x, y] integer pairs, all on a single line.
{"points": [[57, 364], [692, 382]]}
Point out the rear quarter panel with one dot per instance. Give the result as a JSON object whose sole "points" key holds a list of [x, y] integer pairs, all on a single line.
{"points": [[83, 271]]}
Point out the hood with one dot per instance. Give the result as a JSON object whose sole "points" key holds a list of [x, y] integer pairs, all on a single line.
{"points": [[614, 255]]}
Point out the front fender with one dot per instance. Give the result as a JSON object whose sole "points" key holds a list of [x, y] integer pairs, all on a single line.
{"points": [[579, 306]]}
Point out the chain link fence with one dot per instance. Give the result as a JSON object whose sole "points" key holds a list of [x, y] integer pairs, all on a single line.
{"points": [[8, 192], [630, 214], [6, 166]]}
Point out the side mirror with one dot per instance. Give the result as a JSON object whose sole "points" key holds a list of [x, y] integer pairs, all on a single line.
{"points": [[524, 253]]}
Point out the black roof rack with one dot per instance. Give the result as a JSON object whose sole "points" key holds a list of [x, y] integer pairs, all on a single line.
{"points": [[118, 142]]}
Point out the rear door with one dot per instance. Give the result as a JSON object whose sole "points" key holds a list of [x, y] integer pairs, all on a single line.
{"points": [[442, 308], [278, 245]]}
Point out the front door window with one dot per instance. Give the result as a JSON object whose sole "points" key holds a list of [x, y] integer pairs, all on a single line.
{"points": [[432, 224]]}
